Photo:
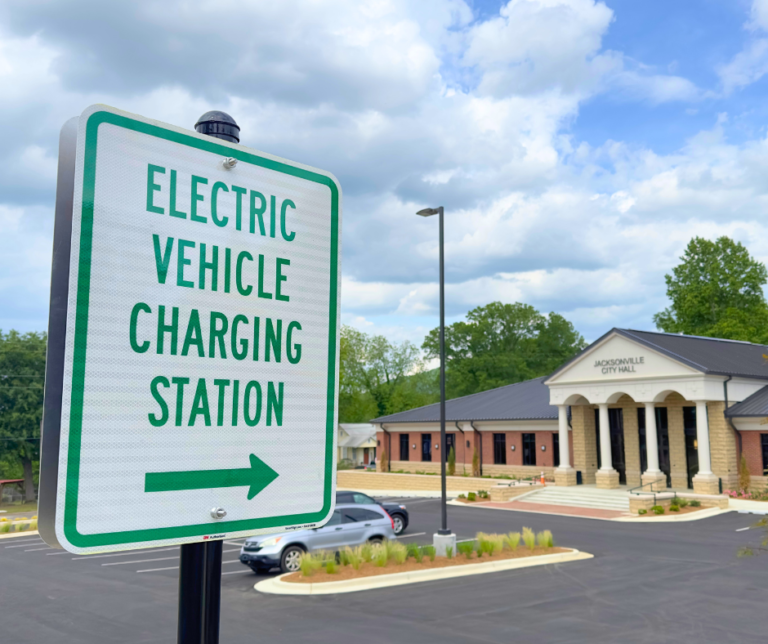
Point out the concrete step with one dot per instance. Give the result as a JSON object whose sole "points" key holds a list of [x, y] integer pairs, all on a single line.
{"points": [[583, 498]]}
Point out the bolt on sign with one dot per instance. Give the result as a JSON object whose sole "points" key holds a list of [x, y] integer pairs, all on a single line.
{"points": [[191, 386]]}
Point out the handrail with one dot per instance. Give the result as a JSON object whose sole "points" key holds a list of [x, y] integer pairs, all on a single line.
{"points": [[651, 483]]}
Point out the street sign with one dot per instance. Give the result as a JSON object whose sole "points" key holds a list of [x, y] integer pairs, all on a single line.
{"points": [[191, 386]]}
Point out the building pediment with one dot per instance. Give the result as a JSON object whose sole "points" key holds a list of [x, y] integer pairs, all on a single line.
{"points": [[616, 357]]}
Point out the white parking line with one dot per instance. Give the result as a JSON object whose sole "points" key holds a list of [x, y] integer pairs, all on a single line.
{"points": [[124, 563], [158, 569], [223, 563], [37, 549], [126, 554], [24, 545], [415, 534], [742, 529], [50, 554], [238, 572]]}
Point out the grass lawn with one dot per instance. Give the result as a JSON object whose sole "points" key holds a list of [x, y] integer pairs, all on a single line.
{"points": [[18, 507]]}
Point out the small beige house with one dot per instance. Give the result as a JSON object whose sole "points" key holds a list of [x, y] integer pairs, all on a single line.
{"points": [[357, 443]]}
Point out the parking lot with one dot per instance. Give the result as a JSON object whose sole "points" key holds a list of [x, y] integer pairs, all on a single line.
{"points": [[674, 582]]}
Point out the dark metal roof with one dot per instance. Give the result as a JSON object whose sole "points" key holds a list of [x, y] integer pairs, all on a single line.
{"points": [[755, 405], [528, 400], [708, 355]]}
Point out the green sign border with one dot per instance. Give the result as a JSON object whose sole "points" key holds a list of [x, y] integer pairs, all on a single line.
{"points": [[81, 336]]}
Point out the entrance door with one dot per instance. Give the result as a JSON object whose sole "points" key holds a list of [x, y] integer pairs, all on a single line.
{"points": [[616, 426], [365, 455], [426, 447], [662, 441]]}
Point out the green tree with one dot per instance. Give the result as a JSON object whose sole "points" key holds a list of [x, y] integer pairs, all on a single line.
{"points": [[378, 377], [716, 291], [500, 344], [22, 376]]}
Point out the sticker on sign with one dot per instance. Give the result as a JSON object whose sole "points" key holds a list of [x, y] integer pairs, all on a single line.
{"points": [[191, 385]]}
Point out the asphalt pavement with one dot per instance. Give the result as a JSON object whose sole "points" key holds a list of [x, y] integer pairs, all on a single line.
{"points": [[671, 582]]}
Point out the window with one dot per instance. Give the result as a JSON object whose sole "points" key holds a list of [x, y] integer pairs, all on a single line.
{"points": [[499, 449], [344, 497], [364, 499], [426, 447], [450, 441], [335, 519], [764, 445], [556, 450], [529, 449], [352, 515], [404, 447]]}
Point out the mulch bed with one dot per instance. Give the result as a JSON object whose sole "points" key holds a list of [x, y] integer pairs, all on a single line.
{"points": [[686, 510], [371, 570]]}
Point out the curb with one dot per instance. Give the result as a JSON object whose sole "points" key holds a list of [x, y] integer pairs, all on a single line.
{"points": [[12, 535], [277, 587], [551, 514], [669, 518]]}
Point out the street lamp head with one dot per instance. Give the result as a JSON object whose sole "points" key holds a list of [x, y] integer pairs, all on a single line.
{"points": [[428, 212]]}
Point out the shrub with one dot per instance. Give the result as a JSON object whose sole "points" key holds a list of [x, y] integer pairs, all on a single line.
{"points": [[343, 556], [3, 519], [366, 552], [33, 525], [513, 540], [380, 558], [674, 508], [353, 557], [451, 462], [545, 539], [483, 494], [642, 511], [418, 554], [6, 527], [466, 548], [412, 548], [399, 553], [462, 496], [529, 538], [695, 503], [331, 567], [744, 478], [471, 496], [430, 552], [497, 541], [449, 552], [683, 503], [484, 544], [657, 509], [309, 563], [22, 527]]}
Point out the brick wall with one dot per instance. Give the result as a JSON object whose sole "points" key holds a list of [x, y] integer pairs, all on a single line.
{"points": [[514, 466], [584, 442], [678, 462], [723, 446], [357, 479]]}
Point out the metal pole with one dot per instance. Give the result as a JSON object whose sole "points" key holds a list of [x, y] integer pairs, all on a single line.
{"points": [[444, 502], [200, 563]]}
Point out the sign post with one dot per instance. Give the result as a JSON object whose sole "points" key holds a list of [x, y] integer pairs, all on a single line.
{"points": [[192, 375]]}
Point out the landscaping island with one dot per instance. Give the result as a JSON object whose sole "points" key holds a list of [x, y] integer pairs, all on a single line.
{"points": [[392, 563]]}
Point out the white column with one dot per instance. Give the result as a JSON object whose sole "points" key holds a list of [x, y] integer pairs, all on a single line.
{"points": [[562, 418], [651, 439], [606, 462], [702, 436]]}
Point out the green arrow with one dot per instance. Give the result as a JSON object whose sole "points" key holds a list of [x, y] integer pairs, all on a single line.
{"points": [[258, 476]]}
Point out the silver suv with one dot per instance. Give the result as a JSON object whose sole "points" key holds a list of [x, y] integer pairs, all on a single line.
{"points": [[349, 525]]}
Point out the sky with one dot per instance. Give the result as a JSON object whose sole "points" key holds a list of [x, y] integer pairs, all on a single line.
{"points": [[576, 145]]}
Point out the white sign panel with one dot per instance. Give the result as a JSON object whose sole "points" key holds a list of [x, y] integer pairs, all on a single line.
{"points": [[200, 361]]}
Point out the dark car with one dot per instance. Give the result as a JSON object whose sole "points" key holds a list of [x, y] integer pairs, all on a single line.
{"points": [[398, 512]]}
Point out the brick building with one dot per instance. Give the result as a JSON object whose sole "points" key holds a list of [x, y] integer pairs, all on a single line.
{"points": [[635, 407]]}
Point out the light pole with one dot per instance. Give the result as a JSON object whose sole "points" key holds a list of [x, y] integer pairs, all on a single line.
{"points": [[443, 538]]}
